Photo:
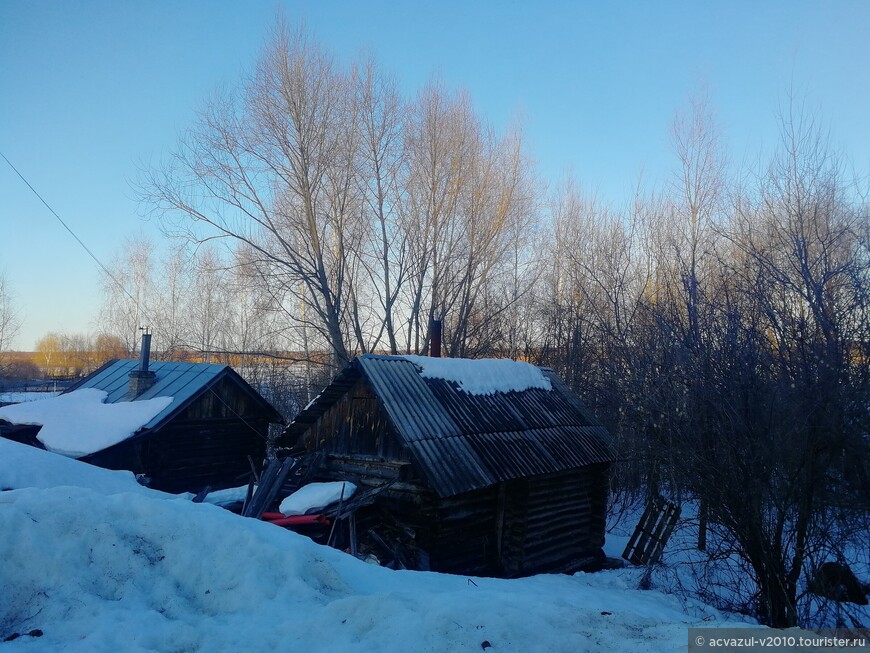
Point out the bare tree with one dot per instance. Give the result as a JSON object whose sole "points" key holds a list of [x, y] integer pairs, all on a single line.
{"points": [[764, 393], [698, 192], [382, 161], [800, 242], [174, 297], [129, 292], [468, 197], [50, 348], [270, 166], [208, 312], [724, 344], [497, 207], [434, 138], [108, 347], [10, 320]]}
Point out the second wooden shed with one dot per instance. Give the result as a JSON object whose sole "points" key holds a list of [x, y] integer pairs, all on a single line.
{"points": [[493, 467]]}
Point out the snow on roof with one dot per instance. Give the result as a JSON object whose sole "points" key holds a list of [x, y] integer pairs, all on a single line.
{"points": [[79, 423], [485, 376]]}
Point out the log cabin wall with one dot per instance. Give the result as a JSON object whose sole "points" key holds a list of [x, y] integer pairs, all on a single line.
{"points": [[355, 425], [553, 522], [209, 442], [223, 400], [462, 533], [190, 455], [457, 533], [550, 523]]}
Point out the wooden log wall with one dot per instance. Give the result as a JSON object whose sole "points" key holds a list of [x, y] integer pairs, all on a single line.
{"points": [[458, 533], [225, 400], [187, 456], [554, 522], [549, 523], [190, 455], [462, 532], [355, 424]]}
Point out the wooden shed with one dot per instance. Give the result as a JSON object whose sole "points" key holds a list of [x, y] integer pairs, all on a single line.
{"points": [[203, 437], [507, 479]]}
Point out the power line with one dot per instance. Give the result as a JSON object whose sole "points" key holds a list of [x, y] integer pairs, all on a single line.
{"points": [[73, 234], [113, 278]]}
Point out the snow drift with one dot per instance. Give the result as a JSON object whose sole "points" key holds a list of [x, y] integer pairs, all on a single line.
{"points": [[113, 566], [134, 573]]}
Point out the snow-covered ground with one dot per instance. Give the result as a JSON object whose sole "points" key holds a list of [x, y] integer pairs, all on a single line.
{"points": [[721, 578], [97, 563], [22, 466]]}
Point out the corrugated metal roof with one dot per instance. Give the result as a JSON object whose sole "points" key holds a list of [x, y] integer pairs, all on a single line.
{"points": [[463, 441], [407, 398], [181, 381]]}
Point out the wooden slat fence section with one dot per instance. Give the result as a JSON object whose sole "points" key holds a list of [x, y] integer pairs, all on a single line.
{"points": [[652, 533]]}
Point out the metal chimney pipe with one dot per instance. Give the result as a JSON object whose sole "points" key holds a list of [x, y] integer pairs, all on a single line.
{"points": [[145, 352], [435, 339], [141, 379]]}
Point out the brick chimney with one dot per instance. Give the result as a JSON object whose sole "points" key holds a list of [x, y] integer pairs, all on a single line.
{"points": [[142, 378]]}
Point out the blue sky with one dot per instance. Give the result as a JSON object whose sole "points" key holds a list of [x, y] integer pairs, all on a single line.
{"points": [[90, 91]]}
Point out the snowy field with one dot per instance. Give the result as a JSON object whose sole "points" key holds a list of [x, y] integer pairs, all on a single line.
{"points": [[97, 563]]}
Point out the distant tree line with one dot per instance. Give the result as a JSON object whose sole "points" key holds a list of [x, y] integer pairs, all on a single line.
{"points": [[77, 354], [718, 324]]}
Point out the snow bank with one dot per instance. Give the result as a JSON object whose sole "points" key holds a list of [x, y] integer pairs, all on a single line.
{"points": [[485, 376], [132, 573], [23, 466], [79, 423], [315, 495]]}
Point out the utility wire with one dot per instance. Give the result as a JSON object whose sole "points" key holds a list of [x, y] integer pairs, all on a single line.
{"points": [[113, 278], [73, 234]]}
